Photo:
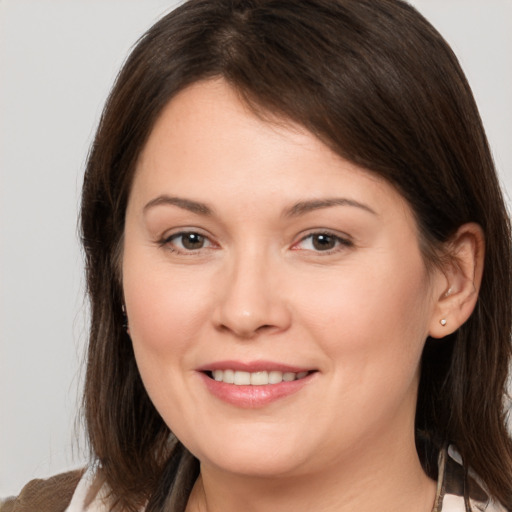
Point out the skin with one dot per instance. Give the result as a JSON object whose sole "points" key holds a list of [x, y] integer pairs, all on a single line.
{"points": [[257, 287]]}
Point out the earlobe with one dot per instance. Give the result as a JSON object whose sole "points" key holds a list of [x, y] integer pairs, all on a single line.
{"points": [[462, 278]]}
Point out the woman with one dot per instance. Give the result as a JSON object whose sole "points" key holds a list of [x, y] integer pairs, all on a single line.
{"points": [[298, 260]]}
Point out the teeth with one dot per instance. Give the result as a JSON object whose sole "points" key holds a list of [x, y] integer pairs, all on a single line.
{"points": [[256, 378], [242, 378], [288, 376], [275, 377], [259, 378], [228, 376]]}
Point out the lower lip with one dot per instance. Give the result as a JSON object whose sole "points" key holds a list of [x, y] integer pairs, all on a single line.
{"points": [[252, 397]]}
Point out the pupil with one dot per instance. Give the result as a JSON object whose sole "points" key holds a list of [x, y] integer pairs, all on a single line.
{"points": [[193, 241], [323, 242]]}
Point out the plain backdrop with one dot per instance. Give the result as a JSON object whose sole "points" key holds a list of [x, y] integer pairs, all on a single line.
{"points": [[58, 59]]}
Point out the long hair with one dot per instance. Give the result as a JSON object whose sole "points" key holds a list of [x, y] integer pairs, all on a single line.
{"points": [[376, 83]]}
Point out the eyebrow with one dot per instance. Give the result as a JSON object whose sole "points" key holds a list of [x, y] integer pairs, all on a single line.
{"points": [[186, 204], [300, 208], [304, 207]]}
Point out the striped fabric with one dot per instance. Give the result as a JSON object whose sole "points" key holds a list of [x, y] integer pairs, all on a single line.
{"points": [[455, 493]]}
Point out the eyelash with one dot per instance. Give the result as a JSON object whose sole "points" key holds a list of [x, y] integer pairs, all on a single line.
{"points": [[169, 242], [340, 242]]}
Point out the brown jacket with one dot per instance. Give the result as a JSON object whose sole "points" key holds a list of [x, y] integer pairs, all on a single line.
{"points": [[51, 495]]}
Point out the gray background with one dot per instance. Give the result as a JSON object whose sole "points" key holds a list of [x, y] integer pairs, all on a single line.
{"points": [[58, 59]]}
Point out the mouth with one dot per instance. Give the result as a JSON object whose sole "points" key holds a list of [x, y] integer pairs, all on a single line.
{"points": [[258, 378], [255, 384]]}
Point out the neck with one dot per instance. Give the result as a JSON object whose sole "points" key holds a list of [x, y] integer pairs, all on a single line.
{"points": [[388, 480]]}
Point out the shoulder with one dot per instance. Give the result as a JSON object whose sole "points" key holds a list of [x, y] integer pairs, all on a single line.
{"points": [[459, 490], [50, 495]]}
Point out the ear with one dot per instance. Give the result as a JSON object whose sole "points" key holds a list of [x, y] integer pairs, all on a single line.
{"points": [[458, 288]]}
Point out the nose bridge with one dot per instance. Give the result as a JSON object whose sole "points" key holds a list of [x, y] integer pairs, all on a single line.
{"points": [[251, 302]]}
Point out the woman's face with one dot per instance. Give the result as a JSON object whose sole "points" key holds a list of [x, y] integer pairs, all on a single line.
{"points": [[277, 298]]}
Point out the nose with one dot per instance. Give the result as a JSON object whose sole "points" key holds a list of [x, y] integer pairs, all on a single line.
{"points": [[252, 299]]}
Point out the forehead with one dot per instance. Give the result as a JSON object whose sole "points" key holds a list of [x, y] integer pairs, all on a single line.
{"points": [[209, 144], [211, 116]]}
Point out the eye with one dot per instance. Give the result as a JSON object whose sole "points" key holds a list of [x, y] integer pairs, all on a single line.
{"points": [[187, 241], [322, 242]]}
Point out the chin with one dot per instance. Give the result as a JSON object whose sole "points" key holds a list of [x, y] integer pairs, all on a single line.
{"points": [[252, 455], [255, 465]]}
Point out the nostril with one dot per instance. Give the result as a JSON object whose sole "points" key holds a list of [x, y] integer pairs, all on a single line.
{"points": [[265, 327]]}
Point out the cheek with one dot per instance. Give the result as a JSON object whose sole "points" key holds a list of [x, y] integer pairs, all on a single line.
{"points": [[373, 329], [166, 316], [378, 313], [164, 313]]}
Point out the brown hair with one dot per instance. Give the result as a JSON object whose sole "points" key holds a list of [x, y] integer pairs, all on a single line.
{"points": [[379, 85]]}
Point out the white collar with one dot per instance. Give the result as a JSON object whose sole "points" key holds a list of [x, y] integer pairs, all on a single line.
{"points": [[90, 494]]}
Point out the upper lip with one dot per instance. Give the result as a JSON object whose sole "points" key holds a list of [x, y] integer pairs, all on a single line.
{"points": [[252, 366]]}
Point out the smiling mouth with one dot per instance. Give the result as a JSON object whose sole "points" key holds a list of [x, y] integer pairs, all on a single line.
{"points": [[262, 378]]}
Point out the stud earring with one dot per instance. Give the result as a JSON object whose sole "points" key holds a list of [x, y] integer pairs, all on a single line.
{"points": [[443, 321]]}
